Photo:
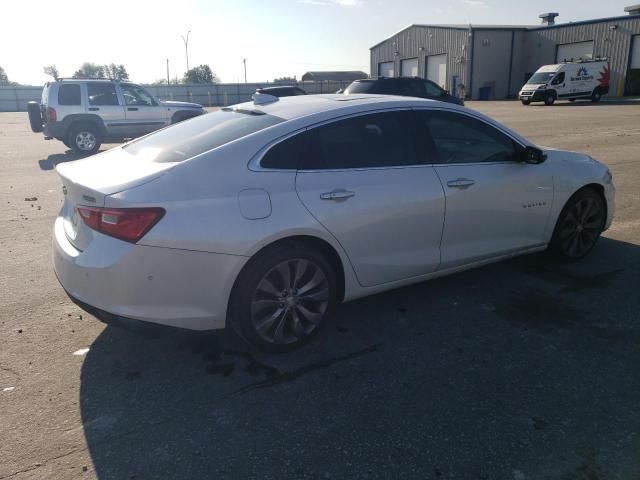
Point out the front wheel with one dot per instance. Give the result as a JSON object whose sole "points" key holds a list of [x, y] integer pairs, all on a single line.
{"points": [[84, 139], [579, 226], [550, 98], [526, 102], [282, 296]]}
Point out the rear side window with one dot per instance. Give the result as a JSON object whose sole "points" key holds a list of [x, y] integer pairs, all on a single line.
{"points": [[433, 90], [69, 94], [200, 134], [461, 139], [102, 94], [286, 154], [360, 87], [368, 141]]}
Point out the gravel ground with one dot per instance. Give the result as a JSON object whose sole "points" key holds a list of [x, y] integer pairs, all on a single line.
{"points": [[520, 370]]}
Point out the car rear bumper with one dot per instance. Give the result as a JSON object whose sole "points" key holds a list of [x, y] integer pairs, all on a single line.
{"points": [[128, 283]]}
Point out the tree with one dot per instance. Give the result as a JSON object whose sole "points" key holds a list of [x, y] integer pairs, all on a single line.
{"points": [[200, 74], [285, 80], [4, 79], [115, 72], [89, 70], [52, 70]]}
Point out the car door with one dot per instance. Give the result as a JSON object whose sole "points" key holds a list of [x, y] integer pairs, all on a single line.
{"points": [[495, 204], [562, 88], [362, 178], [143, 113], [102, 100]]}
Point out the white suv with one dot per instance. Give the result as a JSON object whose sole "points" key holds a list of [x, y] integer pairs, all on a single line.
{"points": [[84, 113]]}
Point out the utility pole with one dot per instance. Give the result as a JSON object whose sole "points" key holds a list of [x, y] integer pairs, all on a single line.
{"points": [[186, 47], [244, 62], [168, 81]]}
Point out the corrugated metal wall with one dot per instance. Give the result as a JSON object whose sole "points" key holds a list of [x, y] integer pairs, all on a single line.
{"points": [[614, 44], [531, 49], [419, 42]]}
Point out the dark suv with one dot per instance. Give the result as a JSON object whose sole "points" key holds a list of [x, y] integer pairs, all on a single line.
{"points": [[282, 91], [403, 86]]}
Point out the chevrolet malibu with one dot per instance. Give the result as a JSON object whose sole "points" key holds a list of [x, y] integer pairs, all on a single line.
{"points": [[265, 215]]}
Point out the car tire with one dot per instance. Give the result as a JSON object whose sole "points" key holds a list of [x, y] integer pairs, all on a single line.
{"points": [[579, 225], [181, 117], [572, 100], [550, 98], [526, 102], [282, 297], [596, 95], [35, 116], [84, 139]]}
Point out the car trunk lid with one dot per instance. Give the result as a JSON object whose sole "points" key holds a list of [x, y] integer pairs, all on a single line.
{"points": [[89, 181]]}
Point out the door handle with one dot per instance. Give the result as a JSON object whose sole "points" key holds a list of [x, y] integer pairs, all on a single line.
{"points": [[337, 195], [461, 183], [93, 109], [132, 109]]}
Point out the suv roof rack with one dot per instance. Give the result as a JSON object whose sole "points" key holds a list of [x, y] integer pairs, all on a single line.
{"points": [[60, 79]]}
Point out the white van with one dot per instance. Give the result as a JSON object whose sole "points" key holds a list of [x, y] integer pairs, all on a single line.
{"points": [[570, 81]]}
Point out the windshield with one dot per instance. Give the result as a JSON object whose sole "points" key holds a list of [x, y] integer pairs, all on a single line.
{"points": [[200, 134], [541, 77]]}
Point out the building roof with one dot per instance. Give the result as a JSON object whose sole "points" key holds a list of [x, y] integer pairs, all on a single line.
{"points": [[473, 26], [342, 75]]}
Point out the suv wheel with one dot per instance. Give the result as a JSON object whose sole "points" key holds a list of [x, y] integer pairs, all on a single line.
{"points": [[84, 139]]}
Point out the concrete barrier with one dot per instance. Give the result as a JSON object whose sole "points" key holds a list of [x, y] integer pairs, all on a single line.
{"points": [[14, 99]]}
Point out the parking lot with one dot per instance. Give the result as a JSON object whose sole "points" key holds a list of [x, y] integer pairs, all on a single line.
{"points": [[520, 370]]}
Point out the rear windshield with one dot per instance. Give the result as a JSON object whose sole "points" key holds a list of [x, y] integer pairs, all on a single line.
{"points": [[200, 134], [361, 87]]}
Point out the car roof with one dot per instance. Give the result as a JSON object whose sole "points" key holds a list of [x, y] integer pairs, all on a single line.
{"points": [[290, 108]]}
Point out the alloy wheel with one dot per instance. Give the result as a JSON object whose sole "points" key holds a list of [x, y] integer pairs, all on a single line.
{"points": [[85, 141], [290, 301], [581, 227]]}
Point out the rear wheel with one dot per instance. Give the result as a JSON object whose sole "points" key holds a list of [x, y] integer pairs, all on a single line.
{"points": [[550, 98], [579, 226], [526, 102], [596, 95], [282, 296], [84, 139], [572, 100]]}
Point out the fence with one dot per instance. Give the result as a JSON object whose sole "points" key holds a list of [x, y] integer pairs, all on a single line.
{"points": [[14, 99]]}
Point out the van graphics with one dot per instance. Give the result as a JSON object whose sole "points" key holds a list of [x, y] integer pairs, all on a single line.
{"points": [[582, 75], [605, 77]]}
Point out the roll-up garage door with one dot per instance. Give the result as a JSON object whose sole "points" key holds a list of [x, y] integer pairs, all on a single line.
{"points": [[575, 51], [437, 69], [385, 69], [633, 76], [409, 67]]}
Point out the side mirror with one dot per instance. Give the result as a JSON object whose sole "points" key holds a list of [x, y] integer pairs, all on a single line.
{"points": [[532, 155]]}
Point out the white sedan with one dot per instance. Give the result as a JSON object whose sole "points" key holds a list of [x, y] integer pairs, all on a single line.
{"points": [[265, 215]]}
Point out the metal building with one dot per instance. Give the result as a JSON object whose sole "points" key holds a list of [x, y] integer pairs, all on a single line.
{"points": [[496, 60]]}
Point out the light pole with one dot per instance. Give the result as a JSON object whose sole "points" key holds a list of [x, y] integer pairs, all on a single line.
{"points": [[168, 81], [244, 62], [186, 47]]}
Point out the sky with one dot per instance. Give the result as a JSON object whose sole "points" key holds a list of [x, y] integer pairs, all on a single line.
{"points": [[277, 37]]}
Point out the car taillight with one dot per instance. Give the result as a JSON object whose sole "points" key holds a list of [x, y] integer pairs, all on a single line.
{"points": [[52, 116], [128, 224]]}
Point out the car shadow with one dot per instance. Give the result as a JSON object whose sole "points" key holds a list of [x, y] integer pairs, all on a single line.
{"points": [[505, 368], [54, 159]]}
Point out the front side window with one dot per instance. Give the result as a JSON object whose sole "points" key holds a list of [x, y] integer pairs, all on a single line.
{"points": [[136, 95], [102, 94], [540, 77], [459, 138], [559, 79], [367, 141], [69, 94]]}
